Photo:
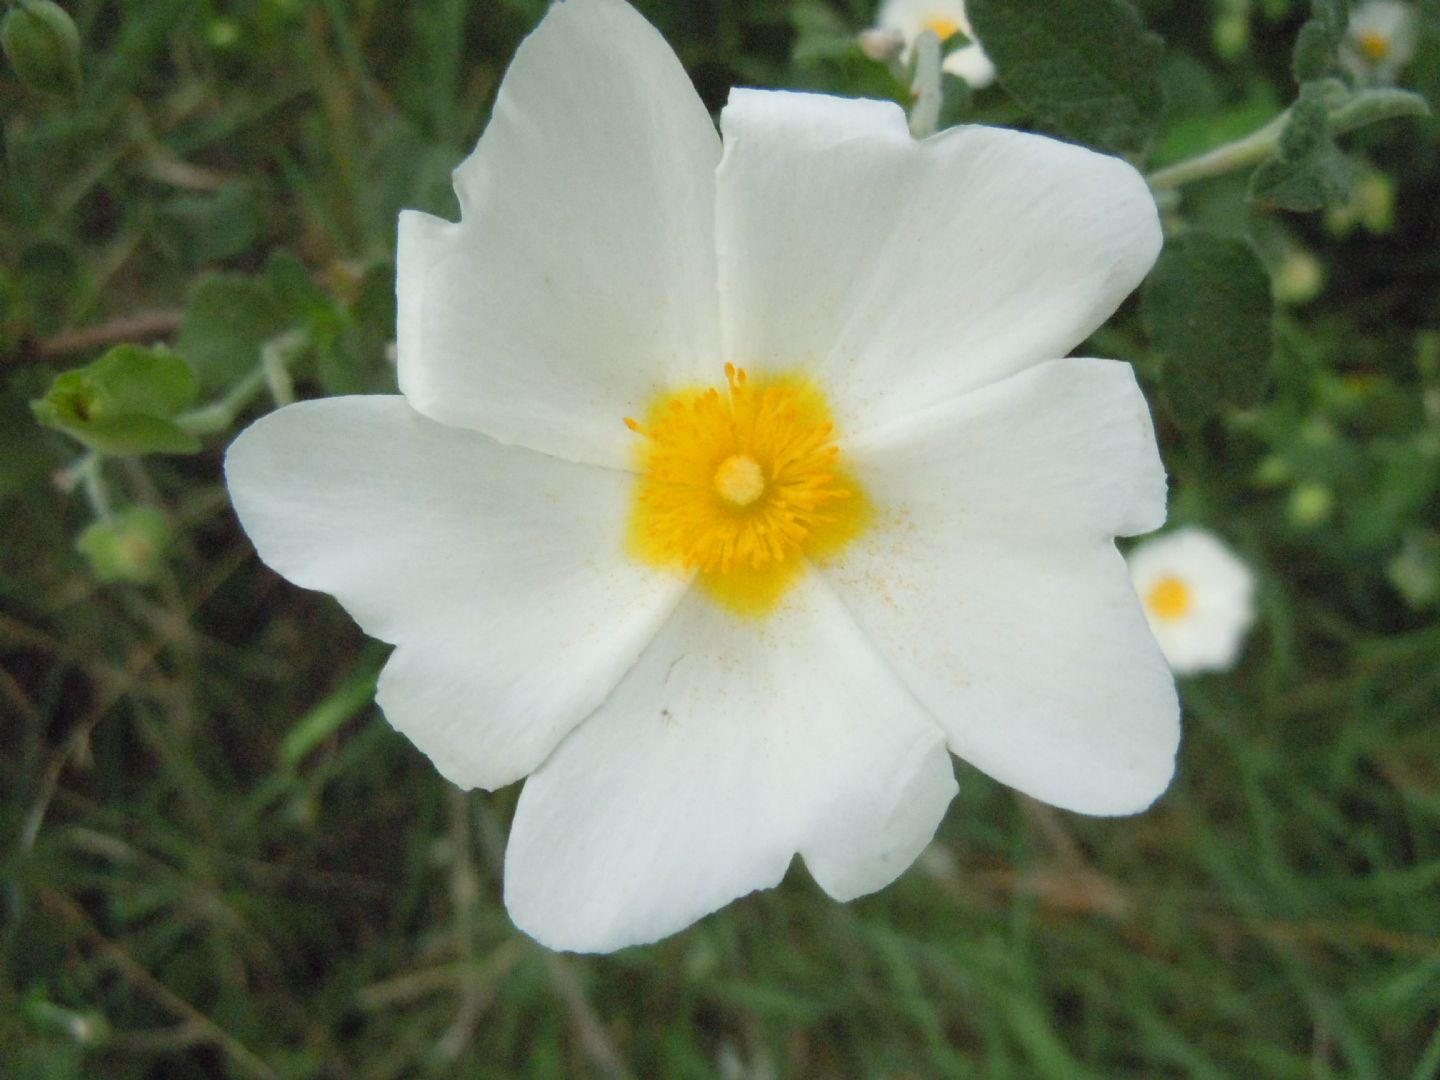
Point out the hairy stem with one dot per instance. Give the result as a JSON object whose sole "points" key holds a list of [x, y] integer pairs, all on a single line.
{"points": [[925, 112], [1364, 108]]}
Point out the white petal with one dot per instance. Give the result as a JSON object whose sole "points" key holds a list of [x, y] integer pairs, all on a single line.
{"points": [[581, 277], [498, 572], [971, 64], [901, 273], [730, 746], [990, 582], [910, 16], [1065, 448]]}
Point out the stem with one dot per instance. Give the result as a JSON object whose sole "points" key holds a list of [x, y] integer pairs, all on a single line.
{"points": [[1250, 150], [273, 372], [145, 327], [219, 415], [86, 475], [1367, 107], [274, 362], [465, 898], [1375, 105], [925, 113], [95, 486]]}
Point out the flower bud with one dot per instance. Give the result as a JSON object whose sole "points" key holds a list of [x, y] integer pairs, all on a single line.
{"points": [[1299, 277], [130, 546], [1272, 472], [1231, 34], [1415, 570], [1310, 505], [43, 47], [880, 44]]}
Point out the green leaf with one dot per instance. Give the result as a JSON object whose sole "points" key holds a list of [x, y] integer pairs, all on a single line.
{"points": [[43, 47], [1333, 17], [229, 317], [197, 229], [123, 403], [1314, 56], [291, 284], [1207, 309], [321, 722], [134, 379], [1373, 106], [820, 34], [128, 546], [1089, 68], [350, 347], [1308, 171]]}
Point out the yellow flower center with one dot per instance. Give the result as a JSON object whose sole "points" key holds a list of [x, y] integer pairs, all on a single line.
{"points": [[1168, 598], [1374, 47], [941, 27], [743, 486]]}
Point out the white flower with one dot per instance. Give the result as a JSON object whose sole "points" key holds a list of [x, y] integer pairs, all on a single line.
{"points": [[945, 19], [1379, 41], [754, 620], [1198, 597]]}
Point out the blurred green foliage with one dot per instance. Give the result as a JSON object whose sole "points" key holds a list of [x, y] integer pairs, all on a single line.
{"points": [[218, 860], [39, 39]]}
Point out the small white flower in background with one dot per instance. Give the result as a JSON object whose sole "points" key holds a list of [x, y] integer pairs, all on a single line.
{"points": [[732, 487], [1379, 41], [908, 19], [1199, 598]]}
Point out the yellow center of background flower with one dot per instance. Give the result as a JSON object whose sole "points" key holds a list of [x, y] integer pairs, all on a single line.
{"points": [[1168, 598], [1374, 47], [942, 27], [743, 486]]}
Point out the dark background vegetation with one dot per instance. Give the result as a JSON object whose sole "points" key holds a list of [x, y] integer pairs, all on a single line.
{"points": [[218, 860]]}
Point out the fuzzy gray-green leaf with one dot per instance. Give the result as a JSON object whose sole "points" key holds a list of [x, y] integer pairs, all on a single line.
{"points": [[1088, 68], [1208, 311]]}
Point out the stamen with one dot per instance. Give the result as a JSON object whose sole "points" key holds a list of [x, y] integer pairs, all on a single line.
{"points": [[942, 27], [738, 484]]}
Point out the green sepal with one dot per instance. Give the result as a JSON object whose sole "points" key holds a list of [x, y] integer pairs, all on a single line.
{"points": [[124, 403]]}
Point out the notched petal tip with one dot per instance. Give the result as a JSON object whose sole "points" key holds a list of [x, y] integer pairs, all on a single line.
{"points": [[821, 119], [1148, 505], [856, 852]]}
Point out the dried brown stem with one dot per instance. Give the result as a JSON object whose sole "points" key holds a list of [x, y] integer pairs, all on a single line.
{"points": [[143, 327]]}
